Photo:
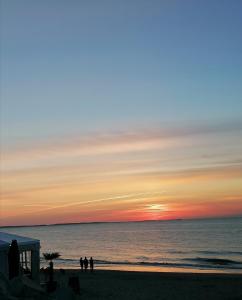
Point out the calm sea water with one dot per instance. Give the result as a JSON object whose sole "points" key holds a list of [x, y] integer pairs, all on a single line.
{"points": [[194, 245]]}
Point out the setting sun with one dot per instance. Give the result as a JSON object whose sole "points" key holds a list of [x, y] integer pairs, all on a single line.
{"points": [[156, 207]]}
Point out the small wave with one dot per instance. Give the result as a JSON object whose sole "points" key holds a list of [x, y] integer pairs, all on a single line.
{"points": [[178, 252], [142, 257], [173, 264], [220, 252], [215, 261], [62, 259], [133, 263]]}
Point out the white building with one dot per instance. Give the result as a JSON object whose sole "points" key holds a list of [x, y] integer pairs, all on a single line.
{"points": [[29, 250]]}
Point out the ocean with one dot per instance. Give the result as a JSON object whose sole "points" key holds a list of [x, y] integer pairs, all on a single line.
{"points": [[208, 245]]}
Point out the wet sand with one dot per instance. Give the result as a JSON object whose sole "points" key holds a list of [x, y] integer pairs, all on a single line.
{"points": [[104, 284]]}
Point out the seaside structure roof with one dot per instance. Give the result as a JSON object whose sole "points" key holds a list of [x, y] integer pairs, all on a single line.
{"points": [[25, 245], [6, 239]]}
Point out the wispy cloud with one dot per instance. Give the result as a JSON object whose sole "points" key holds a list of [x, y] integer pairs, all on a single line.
{"points": [[126, 171], [58, 151]]}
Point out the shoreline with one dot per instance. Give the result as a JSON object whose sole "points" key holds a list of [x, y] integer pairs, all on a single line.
{"points": [[131, 285], [153, 269]]}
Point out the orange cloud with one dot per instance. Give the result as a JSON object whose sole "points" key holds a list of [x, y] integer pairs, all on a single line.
{"points": [[121, 177]]}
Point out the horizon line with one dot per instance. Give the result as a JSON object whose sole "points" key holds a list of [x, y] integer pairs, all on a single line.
{"points": [[131, 221]]}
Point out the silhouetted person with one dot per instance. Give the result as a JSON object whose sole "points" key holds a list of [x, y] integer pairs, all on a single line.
{"points": [[13, 260], [81, 263], [91, 264], [85, 264]]}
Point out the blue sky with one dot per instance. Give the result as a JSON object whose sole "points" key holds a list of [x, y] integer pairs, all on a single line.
{"points": [[120, 110], [81, 66]]}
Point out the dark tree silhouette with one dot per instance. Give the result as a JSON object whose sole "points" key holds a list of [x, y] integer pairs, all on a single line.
{"points": [[13, 260], [50, 257]]}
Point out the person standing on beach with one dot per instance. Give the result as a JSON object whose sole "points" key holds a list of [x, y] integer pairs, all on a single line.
{"points": [[91, 264], [85, 264], [81, 263]]}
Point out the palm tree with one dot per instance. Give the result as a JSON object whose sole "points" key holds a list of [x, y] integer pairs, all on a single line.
{"points": [[50, 257]]}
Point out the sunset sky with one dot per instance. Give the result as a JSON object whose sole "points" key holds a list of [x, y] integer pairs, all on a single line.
{"points": [[120, 110]]}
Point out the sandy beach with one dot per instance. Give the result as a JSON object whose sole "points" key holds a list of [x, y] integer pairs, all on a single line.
{"points": [[150, 285]]}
